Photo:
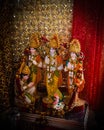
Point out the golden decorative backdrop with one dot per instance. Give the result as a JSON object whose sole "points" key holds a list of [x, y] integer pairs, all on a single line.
{"points": [[43, 16]]}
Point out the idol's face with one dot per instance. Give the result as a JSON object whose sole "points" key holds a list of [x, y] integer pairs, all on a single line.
{"points": [[25, 77], [73, 55], [52, 51], [33, 51]]}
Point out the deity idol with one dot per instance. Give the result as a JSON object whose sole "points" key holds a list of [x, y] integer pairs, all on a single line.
{"points": [[74, 66], [32, 60], [53, 65]]}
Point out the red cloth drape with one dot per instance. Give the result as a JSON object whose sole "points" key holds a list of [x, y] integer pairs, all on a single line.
{"points": [[88, 27]]}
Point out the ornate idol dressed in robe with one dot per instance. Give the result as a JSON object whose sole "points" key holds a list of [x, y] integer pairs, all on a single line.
{"points": [[53, 65], [74, 66], [33, 61]]}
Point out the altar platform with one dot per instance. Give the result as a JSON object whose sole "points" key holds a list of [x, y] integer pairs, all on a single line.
{"points": [[76, 119]]}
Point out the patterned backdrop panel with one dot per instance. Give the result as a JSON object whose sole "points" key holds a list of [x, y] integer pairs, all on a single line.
{"points": [[43, 16]]}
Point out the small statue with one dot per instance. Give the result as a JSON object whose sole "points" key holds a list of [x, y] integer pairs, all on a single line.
{"points": [[74, 66], [57, 104], [53, 65], [33, 62]]}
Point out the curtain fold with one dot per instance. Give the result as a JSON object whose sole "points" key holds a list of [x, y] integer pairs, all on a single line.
{"points": [[88, 22]]}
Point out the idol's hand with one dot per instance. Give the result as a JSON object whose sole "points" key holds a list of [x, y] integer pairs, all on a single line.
{"points": [[34, 62]]}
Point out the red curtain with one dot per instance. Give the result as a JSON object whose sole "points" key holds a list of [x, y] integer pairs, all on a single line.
{"points": [[88, 27]]}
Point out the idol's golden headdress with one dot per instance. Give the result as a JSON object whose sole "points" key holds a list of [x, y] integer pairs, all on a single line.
{"points": [[34, 41], [75, 46], [54, 42], [26, 70]]}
